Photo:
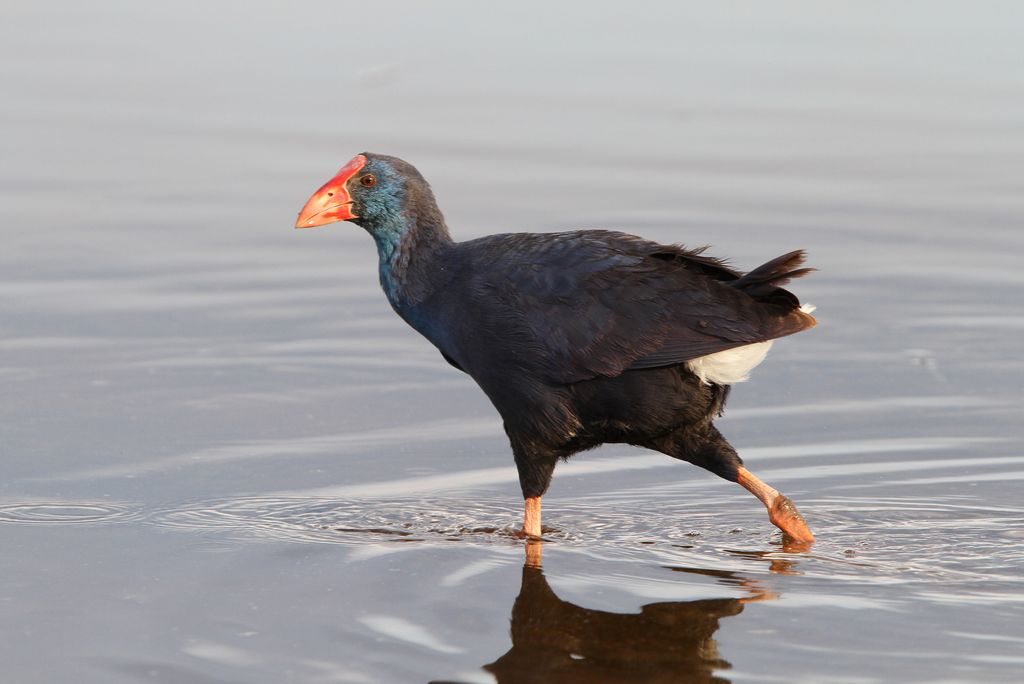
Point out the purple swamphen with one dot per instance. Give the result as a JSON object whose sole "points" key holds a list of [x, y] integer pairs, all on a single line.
{"points": [[579, 338]]}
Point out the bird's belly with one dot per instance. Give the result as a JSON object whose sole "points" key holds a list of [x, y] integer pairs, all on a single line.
{"points": [[729, 366], [639, 404]]}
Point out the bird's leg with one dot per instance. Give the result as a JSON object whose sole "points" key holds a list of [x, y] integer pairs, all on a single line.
{"points": [[781, 511], [531, 517], [535, 467], [709, 450]]}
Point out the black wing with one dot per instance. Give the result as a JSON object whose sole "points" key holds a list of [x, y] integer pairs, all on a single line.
{"points": [[572, 306]]}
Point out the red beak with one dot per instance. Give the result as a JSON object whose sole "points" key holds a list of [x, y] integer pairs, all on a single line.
{"points": [[332, 202]]}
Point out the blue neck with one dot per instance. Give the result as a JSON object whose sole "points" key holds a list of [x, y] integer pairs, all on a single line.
{"points": [[408, 247], [389, 238]]}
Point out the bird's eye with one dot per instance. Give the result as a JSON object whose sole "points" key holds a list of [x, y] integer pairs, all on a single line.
{"points": [[368, 181]]}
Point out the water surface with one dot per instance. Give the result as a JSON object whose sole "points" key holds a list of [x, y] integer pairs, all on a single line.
{"points": [[224, 459]]}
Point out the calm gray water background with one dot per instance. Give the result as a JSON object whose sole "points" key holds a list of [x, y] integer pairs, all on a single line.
{"points": [[224, 459]]}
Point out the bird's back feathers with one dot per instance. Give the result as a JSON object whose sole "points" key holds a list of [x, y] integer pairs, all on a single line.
{"points": [[566, 307]]}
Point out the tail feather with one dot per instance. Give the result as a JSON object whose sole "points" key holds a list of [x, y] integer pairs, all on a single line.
{"points": [[768, 277], [765, 283]]}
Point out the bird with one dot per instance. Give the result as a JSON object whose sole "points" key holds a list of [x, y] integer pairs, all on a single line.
{"points": [[578, 338]]}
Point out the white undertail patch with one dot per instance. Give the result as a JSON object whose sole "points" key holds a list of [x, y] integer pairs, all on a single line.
{"points": [[729, 366]]}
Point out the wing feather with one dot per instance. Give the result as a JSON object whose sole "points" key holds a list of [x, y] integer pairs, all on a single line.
{"points": [[573, 306]]}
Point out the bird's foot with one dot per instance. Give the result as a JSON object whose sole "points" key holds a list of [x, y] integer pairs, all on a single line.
{"points": [[784, 514]]}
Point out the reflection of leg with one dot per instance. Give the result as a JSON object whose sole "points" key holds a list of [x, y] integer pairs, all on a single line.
{"points": [[534, 553], [781, 511], [758, 592], [531, 517]]}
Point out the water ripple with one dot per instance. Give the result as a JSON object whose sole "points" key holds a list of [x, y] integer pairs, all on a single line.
{"points": [[66, 512], [946, 541], [344, 521]]}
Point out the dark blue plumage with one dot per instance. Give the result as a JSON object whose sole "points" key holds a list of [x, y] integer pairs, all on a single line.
{"points": [[578, 338]]}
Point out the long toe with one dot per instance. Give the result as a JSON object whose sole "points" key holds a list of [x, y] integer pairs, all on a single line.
{"points": [[785, 515]]}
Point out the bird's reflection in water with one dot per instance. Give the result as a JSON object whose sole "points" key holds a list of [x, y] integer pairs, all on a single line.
{"points": [[557, 642]]}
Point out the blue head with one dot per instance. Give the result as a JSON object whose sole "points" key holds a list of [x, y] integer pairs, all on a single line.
{"points": [[385, 195], [391, 200]]}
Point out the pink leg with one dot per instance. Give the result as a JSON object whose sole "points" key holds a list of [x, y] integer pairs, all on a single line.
{"points": [[781, 511], [531, 517]]}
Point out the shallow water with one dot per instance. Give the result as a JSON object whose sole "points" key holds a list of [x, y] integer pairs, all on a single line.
{"points": [[226, 460]]}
